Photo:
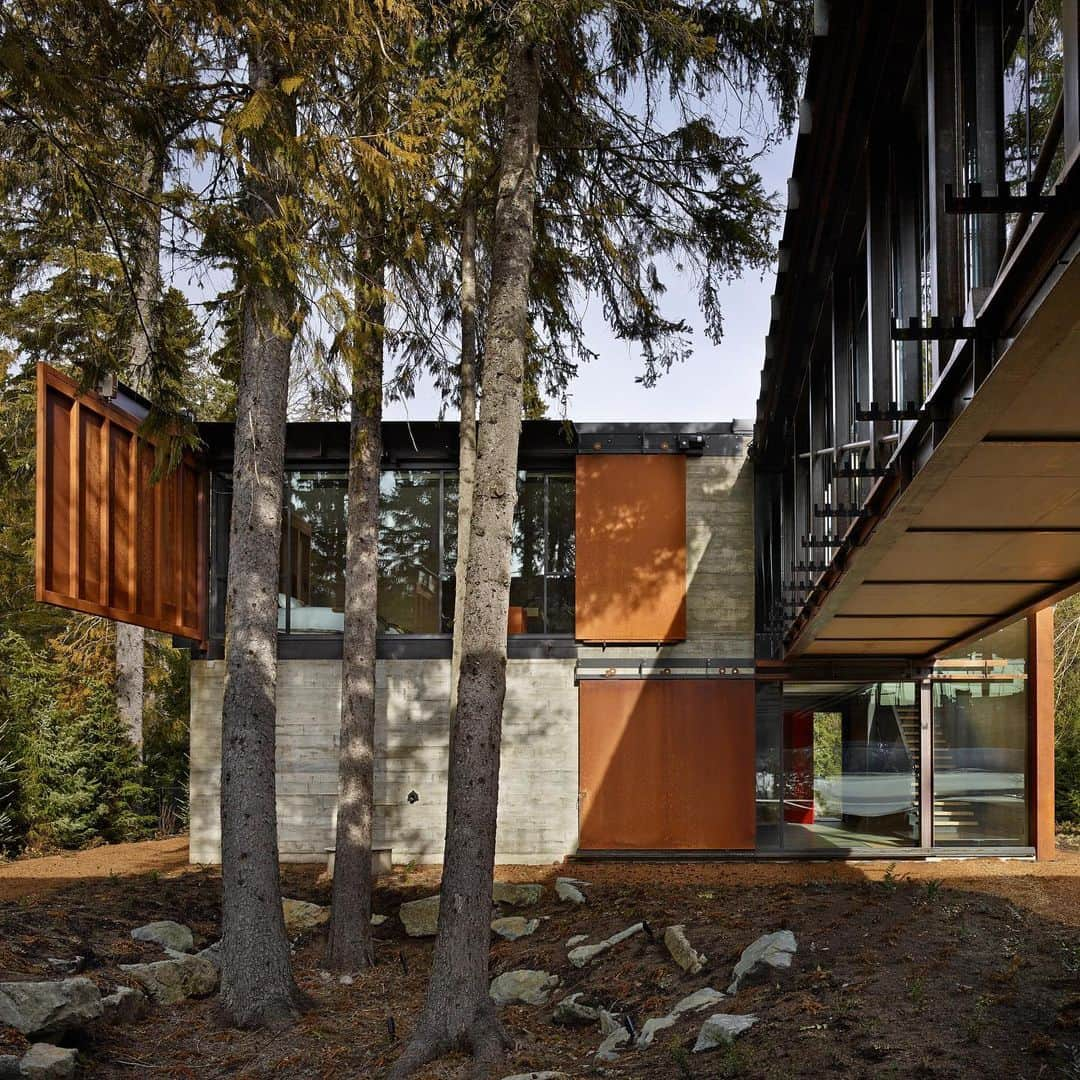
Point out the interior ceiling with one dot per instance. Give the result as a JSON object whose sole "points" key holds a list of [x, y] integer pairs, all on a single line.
{"points": [[990, 525]]}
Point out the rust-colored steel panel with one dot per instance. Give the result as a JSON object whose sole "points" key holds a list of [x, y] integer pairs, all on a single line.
{"points": [[631, 547], [666, 764], [108, 541]]}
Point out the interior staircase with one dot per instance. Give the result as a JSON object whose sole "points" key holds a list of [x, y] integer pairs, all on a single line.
{"points": [[954, 819]]}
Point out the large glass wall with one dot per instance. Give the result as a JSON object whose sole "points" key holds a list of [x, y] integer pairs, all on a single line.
{"points": [[417, 552], [980, 742], [838, 767]]}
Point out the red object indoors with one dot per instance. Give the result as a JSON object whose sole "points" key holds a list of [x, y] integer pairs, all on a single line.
{"points": [[799, 770]]}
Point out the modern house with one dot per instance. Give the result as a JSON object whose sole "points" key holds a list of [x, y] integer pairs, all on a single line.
{"points": [[828, 631]]}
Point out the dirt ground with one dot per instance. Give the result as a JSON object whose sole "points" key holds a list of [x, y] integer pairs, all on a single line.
{"points": [[937, 969]]}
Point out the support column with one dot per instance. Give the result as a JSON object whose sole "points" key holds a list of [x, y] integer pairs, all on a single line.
{"points": [[1040, 788], [879, 293], [925, 690]]}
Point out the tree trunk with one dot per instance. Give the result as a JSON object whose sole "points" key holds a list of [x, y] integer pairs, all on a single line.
{"points": [[350, 947], [466, 430], [145, 268], [130, 677], [257, 986], [458, 1012]]}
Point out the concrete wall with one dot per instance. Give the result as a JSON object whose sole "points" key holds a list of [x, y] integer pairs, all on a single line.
{"points": [[538, 786]]}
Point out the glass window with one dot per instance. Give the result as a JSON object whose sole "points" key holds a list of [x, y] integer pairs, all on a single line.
{"points": [[850, 765], [410, 552], [542, 556], [980, 742], [768, 770], [311, 595]]}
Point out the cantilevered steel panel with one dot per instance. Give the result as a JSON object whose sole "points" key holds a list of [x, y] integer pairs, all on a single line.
{"points": [[666, 764], [631, 547], [108, 540]]}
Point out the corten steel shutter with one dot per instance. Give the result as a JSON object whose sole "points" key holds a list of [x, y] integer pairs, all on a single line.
{"points": [[666, 764], [631, 547], [108, 541]]}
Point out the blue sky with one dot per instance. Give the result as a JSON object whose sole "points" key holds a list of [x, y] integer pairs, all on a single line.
{"points": [[718, 382]]}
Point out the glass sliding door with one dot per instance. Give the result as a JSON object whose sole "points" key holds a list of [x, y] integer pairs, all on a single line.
{"points": [[981, 742], [850, 765]]}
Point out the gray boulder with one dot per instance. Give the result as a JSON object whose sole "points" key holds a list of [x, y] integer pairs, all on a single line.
{"points": [[770, 955], [547, 1074], [568, 889], [652, 1027], [608, 1050], [523, 987], [420, 917], [570, 1012], [167, 934], [699, 999], [577, 939], [302, 915], [124, 1006], [49, 1010], [514, 926], [682, 952], [212, 953], [524, 894], [580, 956], [176, 979], [722, 1029], [47, 1062]]}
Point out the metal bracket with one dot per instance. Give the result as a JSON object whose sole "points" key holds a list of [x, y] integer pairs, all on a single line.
{"points": [[975, 202]]}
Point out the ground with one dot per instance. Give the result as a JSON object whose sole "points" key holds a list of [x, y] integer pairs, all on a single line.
{"points": [[940, 969]]}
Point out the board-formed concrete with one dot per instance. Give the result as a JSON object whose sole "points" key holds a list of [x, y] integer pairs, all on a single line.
{"points": [[538, 784]]}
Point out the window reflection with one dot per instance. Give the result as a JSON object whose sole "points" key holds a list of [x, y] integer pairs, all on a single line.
{"points": [[980, 742], [850, 765], [311, 594]]}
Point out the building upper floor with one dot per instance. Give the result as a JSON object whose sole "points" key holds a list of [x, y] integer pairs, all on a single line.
{"points": [[916, 440]]}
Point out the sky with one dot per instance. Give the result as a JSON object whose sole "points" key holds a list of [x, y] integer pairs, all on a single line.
{"points": [[718, 382]]}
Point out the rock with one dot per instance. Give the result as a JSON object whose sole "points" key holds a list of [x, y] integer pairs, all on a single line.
{"points": [[124, 1005], [546, 1075], [651, 1027], [181, 976], [682, 952], [571, 1013], [514, 927], [721, 1029], [770, 955], [212, 953], [608, 1049], [580, 956], [66, 967], [523, 987], [47, 1062], [525, 894], [608, 1023], [346, 980], [49, 1009], [378, 920], [167, 934], [577, 939], [420, 917], [300, 915], [9, 1067], [567, 889], [699, 999]]}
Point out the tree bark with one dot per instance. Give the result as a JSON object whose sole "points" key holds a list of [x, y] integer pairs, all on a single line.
{"points": [[350, 947], [458, 1012], [257, 986], [466, 430], [145, 265]]}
